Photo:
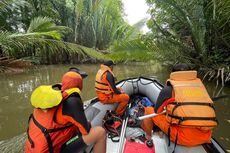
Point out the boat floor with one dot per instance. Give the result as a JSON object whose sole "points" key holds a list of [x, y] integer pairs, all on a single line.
{"points": [[160, 141]]}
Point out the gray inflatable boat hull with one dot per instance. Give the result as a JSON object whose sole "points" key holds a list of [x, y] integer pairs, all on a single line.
{"points": [[95, 111]]}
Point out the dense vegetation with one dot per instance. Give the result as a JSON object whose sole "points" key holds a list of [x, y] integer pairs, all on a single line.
{"points": [[70, 31], [54, 31], [192, 31]]}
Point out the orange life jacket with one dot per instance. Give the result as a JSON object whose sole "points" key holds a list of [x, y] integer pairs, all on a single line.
{"points": [[192, 105], [101, 83], [44, 134]]}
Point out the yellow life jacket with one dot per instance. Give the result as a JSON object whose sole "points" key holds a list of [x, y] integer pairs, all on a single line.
{"points": [[101, 83], [192, 106], [48, 96]]}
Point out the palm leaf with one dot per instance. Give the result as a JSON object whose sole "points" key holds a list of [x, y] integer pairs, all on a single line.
{"points": [[17, 44], [6, 5], [44, 26]]}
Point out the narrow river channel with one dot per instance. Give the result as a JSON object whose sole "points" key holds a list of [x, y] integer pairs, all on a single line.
{"points": [[16, 89]]}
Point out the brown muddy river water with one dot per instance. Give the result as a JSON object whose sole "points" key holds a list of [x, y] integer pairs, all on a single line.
{"points": [[15, 91]]}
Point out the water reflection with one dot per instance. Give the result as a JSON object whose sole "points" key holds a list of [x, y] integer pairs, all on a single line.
{"points": [[16, 89]]}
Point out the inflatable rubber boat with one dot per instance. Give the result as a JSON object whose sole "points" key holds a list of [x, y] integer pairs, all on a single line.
{"points": [[142, 87]]}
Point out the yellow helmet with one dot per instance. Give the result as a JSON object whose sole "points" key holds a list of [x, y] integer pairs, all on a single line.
{"points": [[46, 96]]}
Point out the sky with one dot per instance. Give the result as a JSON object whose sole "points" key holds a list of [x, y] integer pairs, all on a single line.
{"points": [[135, 11]]}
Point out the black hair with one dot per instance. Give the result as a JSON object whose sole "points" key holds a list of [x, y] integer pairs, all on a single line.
{"points": [[181, 67], [109, 63], [77, 70]]}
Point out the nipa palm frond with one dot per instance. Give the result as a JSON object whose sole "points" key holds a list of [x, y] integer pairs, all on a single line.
{"points": [[17, 44], [44, 26]]}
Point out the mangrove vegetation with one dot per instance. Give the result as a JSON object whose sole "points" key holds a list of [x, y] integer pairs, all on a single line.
{"points": [[196, 32], [192, 31]]}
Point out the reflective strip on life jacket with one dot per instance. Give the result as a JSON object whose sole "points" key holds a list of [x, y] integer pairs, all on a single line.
{"points": [[192, 106], [101, 83], [72, 90]]}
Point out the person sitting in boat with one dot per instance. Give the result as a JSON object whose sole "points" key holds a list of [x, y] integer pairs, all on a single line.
{"points": [[58, 123], [106, 89], [190, 115]]}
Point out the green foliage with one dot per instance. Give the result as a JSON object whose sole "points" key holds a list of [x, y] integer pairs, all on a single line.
{"points": [[43, 40], [48, 50], [32, 28], [191, 31], [98, 23], [44, 26], [93, 53], [9, 14], [127, 56], [131, 47], [94, 23], [6, 5]]}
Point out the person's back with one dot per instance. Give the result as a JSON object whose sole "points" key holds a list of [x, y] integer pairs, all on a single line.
{"points": [[38, 142], [58, 123], [44, 134], [106, 89], [190, 114]]}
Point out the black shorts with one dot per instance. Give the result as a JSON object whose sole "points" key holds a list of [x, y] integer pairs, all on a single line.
{"points": [[74, 145]]}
